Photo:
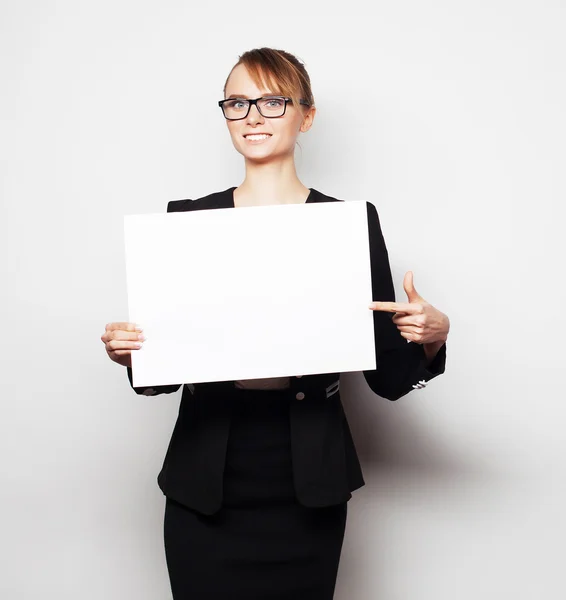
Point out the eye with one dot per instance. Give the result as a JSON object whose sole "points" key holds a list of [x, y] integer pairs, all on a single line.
{"points": [[235, 104], [275, 102]]}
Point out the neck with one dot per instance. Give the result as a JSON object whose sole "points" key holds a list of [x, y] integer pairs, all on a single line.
{"points": [[271, 183]]}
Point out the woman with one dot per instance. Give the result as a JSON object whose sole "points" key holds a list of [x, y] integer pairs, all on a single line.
{"points": [[258, 473]]}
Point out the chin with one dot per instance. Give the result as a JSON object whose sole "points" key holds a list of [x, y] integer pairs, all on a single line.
{"points": [[260, 160], [261, 157], [258, 157]]}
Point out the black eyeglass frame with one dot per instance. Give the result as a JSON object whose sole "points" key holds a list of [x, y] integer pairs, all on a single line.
{"points": [[255, 102]]}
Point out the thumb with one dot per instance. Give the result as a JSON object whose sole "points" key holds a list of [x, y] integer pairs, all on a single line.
{"points": [[409, 287]]}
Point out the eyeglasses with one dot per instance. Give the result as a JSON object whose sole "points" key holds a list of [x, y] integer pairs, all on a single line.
{"points": [[270, 107]]}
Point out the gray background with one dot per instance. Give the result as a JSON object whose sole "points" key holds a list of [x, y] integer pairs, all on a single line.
{"points": [[449, 117]]}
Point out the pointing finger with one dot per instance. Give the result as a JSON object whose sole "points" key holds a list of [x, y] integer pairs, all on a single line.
{"points": [[403, 307]]}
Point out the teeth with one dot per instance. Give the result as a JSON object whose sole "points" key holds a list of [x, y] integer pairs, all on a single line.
{"points": [[261, 136]]}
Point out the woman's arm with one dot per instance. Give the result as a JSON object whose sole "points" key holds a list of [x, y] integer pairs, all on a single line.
{"points": [[401, 365]]}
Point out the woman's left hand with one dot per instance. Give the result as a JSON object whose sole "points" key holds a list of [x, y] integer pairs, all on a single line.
{"points": [[417, 320]]}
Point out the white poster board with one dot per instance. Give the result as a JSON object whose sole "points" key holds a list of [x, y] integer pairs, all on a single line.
{"points": [[248, 293]]}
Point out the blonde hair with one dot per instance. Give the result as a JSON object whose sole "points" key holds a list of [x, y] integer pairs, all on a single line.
{"points": [[278, 70]]}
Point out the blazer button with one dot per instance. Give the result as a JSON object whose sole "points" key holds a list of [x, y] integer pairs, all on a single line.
{"points": [[300, 396]]}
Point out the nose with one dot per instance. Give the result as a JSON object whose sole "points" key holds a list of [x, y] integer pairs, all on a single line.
{"points": [[254, 116]]}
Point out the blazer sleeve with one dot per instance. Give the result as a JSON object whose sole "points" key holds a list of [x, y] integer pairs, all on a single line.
{"points": [[172, 206], [152, 391], [400, 363]]}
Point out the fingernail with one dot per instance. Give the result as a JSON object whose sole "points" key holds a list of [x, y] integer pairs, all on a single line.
{"points": [[142, 338], [139, 328]]}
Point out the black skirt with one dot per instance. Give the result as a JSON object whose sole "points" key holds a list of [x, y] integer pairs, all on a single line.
{"points": [[262, 543]]}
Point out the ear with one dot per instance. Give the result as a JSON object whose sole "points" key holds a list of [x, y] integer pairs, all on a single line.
{"points": [[308, 119]]}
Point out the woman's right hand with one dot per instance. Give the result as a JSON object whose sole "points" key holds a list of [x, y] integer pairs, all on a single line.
{"points": [[120, 339]]}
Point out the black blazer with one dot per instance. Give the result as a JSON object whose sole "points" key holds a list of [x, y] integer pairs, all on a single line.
{"points": [[326, 468]]}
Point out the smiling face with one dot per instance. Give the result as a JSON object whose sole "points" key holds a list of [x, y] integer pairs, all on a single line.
{"points": [[260, 139]]}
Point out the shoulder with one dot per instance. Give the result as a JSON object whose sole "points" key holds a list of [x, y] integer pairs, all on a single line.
{"points": [[318, 196], [222, 199]]}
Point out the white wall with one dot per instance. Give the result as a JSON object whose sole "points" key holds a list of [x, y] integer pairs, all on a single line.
{"points": [[449, 117]]}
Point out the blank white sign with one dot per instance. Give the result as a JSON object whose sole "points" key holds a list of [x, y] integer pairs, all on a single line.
{"points": [[249, 293]]}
